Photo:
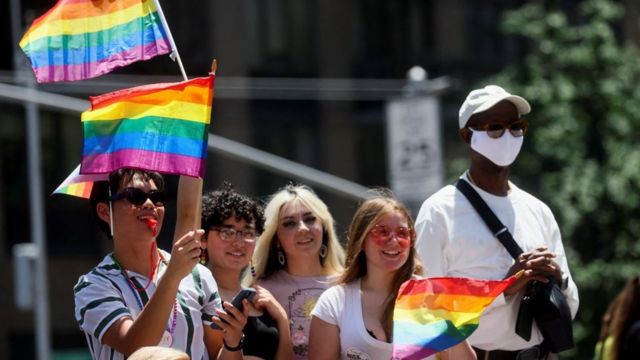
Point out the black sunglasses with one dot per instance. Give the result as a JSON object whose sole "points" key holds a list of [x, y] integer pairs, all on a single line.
{"points": [[138, 197]]}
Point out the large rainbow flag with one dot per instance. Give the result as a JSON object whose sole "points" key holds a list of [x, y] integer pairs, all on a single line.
{"points": [[82, 39], [158, 127], [434, 314]]}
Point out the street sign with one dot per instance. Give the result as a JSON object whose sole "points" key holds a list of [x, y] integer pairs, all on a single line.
{"points": [[414, 148]]}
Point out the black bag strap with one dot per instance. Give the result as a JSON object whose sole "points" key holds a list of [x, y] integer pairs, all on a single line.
{"points": [[490, 219]]}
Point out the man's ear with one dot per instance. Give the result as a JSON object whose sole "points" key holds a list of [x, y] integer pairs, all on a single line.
{"points": [[465, 135], [102, 209]]}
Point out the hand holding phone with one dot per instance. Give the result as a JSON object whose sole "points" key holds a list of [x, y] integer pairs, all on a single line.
{"points": [[247, 293]]}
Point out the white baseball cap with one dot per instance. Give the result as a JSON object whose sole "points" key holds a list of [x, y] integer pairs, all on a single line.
{"points": [[480, 100]]}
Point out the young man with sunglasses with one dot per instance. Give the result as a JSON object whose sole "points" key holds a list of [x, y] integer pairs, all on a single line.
{"points": [[142, 296], [453, 240]]}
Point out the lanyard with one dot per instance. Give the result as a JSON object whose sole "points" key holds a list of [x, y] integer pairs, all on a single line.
{"points": [[136, 289]]}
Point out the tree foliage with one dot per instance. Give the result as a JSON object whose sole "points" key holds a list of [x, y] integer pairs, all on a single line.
{"points": [[582, 154]]}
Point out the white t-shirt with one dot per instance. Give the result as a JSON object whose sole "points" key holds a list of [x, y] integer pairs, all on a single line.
{"points": [[104, 295], [341, 305], [453, 240]]}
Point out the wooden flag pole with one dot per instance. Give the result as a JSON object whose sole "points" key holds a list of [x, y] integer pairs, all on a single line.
{"points": [[175, 55]]}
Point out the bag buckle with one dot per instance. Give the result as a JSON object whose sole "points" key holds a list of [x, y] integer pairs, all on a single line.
{"points": [[497, 233]]}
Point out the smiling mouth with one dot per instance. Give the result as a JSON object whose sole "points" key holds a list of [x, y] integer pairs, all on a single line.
{"points": [[305, 241], [235, 254], [391, 253]]}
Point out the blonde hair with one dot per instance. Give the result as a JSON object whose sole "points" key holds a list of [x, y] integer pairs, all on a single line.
{"points": [[158, 353], [364, 219], [265, 256]]}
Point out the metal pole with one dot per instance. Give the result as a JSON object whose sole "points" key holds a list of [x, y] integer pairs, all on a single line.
{"points": [[41, 291], [174, 48], [37, 228], [286, 167]]}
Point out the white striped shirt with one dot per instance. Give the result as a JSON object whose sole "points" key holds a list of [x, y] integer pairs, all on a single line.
{"points": [[104, 295]]}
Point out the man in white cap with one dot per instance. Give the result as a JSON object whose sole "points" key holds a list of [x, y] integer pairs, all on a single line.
{"points": [[453, 240]]}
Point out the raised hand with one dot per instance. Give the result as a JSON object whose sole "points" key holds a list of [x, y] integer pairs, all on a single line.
{"points": [[185, 254]]}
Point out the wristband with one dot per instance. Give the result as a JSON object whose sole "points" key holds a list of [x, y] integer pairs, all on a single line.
{"points": [[236, 348]]}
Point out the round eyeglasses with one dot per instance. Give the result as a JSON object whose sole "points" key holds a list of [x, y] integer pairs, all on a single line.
{"points": [[382, 235], [230, 234], [496, 130]]}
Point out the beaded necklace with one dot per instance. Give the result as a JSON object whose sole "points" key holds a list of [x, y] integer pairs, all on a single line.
{"points": [[136, 289], [152, 270]]}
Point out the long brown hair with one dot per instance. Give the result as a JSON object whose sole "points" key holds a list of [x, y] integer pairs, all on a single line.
{"points": [[367, 215], [623, 311]]}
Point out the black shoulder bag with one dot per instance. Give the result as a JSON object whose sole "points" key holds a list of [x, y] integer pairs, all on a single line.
{"points": [[543, 302]]}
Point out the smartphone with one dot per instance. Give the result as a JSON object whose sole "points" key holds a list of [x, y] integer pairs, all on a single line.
{"points": [[247, 293]]}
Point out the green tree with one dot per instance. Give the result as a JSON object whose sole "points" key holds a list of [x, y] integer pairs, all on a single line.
{"points": [[583, 153]]}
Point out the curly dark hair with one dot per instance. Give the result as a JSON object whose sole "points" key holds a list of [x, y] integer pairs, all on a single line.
{"points": [[219, 205]]}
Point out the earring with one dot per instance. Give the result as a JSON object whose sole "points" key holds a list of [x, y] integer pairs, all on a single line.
{"points": [[281, 259], [323, 251], [253, 269], [204, 257]]}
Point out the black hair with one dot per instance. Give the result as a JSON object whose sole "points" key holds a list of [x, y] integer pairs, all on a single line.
{"points": [[221, 204], [100, 190]]}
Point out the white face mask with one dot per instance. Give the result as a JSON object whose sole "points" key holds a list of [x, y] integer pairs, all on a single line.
{"points": [[501, 151]]}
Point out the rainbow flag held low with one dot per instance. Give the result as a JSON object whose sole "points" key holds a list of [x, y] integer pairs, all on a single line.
{"points": [[434, 314], [82, 39], [158, 127], [79, 185]]}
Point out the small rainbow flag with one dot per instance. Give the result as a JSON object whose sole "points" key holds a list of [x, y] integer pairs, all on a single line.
{"points": [[434, 314], [158, 127], [82, 39], [79, 185]]}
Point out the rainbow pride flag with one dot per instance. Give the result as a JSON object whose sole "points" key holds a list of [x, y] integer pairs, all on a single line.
{"points": [[82, 39], [434, 314], [158, 127], [79, 185]]}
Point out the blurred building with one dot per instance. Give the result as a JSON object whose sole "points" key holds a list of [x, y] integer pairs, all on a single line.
{"points": [[258, 43]]}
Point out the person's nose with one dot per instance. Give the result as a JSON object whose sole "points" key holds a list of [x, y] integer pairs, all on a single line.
{"points": [[393, 236], [148, 204], [302, 226], [238, 240]]}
